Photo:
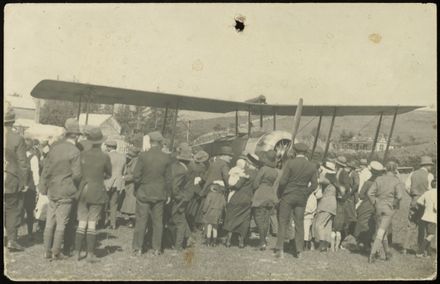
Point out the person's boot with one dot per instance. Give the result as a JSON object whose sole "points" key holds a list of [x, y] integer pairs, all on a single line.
{"points": [[228, 240], [214, 242], [387, 250], [427, 246], [279, 254], [337, 241], [323, 246], [91, 242], [14, 246], [332, 242], [240, 241], [57, 242], [376, 246], [79, 243]]}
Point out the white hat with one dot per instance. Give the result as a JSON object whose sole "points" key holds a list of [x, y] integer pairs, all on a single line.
{"points": [[329, 167], [376, 166]]}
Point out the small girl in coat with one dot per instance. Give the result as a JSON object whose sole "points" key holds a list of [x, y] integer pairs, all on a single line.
{"points": [[213, 209], [235, 174]]}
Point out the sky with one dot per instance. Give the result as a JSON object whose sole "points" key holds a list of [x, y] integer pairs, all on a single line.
{"points": [[360, 54]]}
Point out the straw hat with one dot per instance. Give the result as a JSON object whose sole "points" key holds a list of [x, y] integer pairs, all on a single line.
{"points": [[376, 166], [253, 159], [111, 143], [329, 167]]}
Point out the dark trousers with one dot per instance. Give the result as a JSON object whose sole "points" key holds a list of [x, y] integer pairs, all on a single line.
{"points": [[143, 211], [29, 206], [69, 232], [415, 226], [262, 220], [287, 204], [181, 224], [113, 197], [12, 213]]}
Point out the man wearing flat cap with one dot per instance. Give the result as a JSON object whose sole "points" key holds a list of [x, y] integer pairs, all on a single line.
{"points": [[153, 188], [15, 168], [59, 181], [419, 183], [298, 180], [115, 184]]}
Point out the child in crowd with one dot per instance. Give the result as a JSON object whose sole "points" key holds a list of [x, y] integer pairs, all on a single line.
{"points": [[213, 209], [429, 201]]}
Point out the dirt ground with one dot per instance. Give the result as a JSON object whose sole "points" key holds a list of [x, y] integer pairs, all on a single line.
{"points": [[218, 263]]}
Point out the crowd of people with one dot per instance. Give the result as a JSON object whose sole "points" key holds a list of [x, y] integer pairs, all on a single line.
{"points": [[176, 196]]}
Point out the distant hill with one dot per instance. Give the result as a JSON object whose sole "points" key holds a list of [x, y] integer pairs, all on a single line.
{"points": [[415, 127]]}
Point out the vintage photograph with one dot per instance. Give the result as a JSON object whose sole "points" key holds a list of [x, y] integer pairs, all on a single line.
{"points": [[220, 141]]}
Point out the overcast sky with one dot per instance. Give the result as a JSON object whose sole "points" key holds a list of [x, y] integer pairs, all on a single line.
{"points": [[324, 53]]}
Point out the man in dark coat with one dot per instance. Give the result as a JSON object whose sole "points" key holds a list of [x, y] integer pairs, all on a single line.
{"points": [[298, 180], [95, 167], [59, 181], [152, 179], [15, 168], [181, 195]]}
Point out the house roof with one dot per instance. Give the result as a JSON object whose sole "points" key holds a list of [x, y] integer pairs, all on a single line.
{"points": [[94, 119]]}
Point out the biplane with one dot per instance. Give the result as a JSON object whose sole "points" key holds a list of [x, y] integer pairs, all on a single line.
{"points": [[276, 139]]}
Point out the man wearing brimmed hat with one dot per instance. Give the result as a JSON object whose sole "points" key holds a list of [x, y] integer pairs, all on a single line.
{"points": [[96, 167], [59, 180], [197, 171], [365, 224], [15, 168], [420, 181], [385, 194], [115, 184], [128, 207], [153, 185], [181, 194], [298, 180]]}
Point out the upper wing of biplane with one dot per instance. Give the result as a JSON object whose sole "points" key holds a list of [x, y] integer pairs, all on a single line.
{"points": [[76, 92]]}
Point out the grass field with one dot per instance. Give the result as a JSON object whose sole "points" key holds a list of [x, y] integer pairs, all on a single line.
{"points": [[219, 263]]}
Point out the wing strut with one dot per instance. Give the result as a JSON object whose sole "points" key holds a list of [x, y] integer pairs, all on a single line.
{"points": [[376, 136], [79, 108], [236, 122], [315, 141], [164, 126], [327, 143], [385, 155], [274, 119], [249, 122], [174, 127]]}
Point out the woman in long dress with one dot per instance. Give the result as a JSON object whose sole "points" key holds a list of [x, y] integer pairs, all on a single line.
{"points": [[238, 209], [128, 207]]}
